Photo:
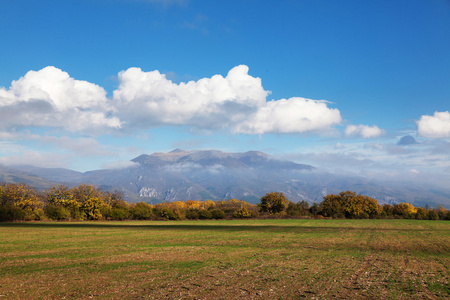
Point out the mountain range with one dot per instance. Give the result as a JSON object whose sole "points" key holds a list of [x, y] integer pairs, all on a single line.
{"points": [[212, 174]]}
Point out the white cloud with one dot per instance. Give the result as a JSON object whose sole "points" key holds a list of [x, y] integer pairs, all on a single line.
{"points": [[294, 115], [237, 102], [50, 97], [146, 99], [363, 131], [437, 126]]}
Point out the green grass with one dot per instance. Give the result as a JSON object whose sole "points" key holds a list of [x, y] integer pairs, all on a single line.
{"points": [[267, 259]]}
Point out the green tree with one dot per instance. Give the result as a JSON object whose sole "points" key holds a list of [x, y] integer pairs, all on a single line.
{"points": [[274, 202], [142, 211]]}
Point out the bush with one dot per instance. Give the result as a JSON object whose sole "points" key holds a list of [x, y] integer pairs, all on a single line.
{"points": [[433, 215], [76, 213], [120, 214], [204, 214], [11, 213], [192, 214], [217, 214], [142, 211], [166, 213], [242, 213], [56, 212]]}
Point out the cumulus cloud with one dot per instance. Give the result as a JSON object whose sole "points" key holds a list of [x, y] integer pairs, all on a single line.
{"points": [[146, 99], [436, 126], [294, 115], [50, 97], [363, 131], [237, 102]]}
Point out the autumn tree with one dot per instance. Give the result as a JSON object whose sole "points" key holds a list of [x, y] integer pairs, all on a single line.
{"points": [[84, 192], [92, 208], [404, 210], [274, 202], [350, 205], [298, 209], [19, 201]]}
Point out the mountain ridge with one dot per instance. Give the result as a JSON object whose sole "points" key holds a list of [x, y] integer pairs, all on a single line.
{"points": [[213, 174]]}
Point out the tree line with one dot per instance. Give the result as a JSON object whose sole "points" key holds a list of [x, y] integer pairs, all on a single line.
{"points": [[20, 202]]}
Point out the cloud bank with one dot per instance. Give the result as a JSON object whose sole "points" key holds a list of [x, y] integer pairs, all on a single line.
{"points": [[237, 102], [436, 126]]}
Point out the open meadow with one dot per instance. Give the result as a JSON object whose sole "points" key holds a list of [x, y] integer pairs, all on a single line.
{"points": [[252, 259]]}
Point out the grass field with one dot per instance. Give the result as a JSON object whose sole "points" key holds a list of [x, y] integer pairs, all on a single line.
{"points": [[251, 259]]}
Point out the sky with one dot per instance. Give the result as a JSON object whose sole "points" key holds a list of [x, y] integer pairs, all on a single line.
{"points": [[89, 84]]}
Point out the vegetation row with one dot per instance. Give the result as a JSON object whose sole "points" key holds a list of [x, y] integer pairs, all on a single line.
{"points": [[20, 202]]}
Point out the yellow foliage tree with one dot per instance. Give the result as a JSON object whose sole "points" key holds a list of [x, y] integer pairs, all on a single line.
{"points": [[350, 205], [92, 208], [209, 204], [274, 202], [194, 204], [404, 209], [21, 195], [61, 196]]}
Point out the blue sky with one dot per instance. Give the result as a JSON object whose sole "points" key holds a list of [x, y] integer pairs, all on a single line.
{"points": [[336, 84]]}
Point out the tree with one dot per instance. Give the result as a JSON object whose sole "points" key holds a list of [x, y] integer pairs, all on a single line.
{"points": [[92, 208], [350, 205], [274, 202], [84, 192], [19, 201], [405, 210], [242, 213], [314, 209]]}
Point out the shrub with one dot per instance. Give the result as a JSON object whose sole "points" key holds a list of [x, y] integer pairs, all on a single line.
{"points": [[217, 214], [433, 215], [242, 213], [11, 213], [142, 211], [204, 214], [55, 212], [192, 214], [120, 214], [166, 213]]}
